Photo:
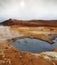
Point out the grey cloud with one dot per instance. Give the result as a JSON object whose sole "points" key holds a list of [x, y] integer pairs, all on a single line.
{"points": [[33, 9]]}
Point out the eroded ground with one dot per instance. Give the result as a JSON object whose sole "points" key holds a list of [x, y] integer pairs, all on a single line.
{"points": [[13, 32], [10, 56]]}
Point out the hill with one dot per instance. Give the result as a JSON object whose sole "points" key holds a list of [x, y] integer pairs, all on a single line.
{"points": [[31, 23]]}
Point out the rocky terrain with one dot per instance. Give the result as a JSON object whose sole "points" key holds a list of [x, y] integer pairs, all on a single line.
{"points": [[14, 32], [11, 56], [12, 29], [41, 29]]}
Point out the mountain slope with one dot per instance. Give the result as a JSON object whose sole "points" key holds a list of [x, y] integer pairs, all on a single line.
{"points": [[32, 23]]}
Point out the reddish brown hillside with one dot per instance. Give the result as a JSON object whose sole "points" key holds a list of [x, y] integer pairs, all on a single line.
{"points": [[33, 23]]}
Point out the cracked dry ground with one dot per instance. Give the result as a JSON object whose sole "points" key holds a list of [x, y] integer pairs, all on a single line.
{"points": [[10, 56]]}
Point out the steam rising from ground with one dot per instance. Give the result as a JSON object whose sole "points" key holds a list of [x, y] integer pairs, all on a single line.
{"points": [[7, 33]]}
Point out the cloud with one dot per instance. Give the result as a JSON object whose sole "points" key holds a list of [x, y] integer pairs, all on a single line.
{"points": [[28, 9]]}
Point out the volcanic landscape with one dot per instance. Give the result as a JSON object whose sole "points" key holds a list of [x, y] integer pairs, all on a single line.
{"points": [[28, 42]]}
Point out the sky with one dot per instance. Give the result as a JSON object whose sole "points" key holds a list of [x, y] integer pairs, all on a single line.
{"points": [[28, 9]]}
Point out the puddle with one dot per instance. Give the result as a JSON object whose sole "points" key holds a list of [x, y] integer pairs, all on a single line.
{"points": [[32, 45]]}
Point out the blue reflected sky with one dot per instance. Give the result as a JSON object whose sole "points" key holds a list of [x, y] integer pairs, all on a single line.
{"points": [[32, 45]]}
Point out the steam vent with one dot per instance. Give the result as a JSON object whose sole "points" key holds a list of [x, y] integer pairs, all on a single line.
{"points": [[28, 42]]}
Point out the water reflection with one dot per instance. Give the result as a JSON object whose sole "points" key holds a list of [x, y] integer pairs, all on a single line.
{"points": [[32, 45], [55, 43]]}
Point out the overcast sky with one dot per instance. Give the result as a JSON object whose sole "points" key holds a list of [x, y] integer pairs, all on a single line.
{"points": [[28, 9]]}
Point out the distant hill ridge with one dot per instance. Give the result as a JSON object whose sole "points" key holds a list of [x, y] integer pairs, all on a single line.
{"points": [[33, 23]]}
